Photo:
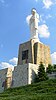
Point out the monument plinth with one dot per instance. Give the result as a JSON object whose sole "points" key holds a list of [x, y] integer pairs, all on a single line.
{"points": [[34, 52]]}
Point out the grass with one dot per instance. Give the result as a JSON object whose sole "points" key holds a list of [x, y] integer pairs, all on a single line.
{"points": [[45, 90]]}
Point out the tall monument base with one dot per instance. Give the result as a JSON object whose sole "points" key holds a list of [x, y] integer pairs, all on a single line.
{"points": [[24, 74], [31, 53], [34, 52]]}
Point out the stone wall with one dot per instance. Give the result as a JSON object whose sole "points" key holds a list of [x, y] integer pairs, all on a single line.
{"points": [[5, 78], [42, 54], [32, 72], [20, 75], [24, 74]]}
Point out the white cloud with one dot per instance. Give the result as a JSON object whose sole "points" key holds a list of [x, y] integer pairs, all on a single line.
{"points": [[43, 31], [47, 3], [28, 18], [11, 64], [41, 19], [53, 56], [4, 65], [48, 16], [14, 60]]}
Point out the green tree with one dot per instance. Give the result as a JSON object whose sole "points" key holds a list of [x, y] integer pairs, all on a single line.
{"points": [[50, 69], [54, 66], [42, 75]]}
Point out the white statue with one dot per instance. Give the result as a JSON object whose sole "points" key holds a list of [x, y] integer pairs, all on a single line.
{"points": [[34, 25]]}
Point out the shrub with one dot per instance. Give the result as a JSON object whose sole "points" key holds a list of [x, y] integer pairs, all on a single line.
{"points": [[42, 75], [50, 69]]}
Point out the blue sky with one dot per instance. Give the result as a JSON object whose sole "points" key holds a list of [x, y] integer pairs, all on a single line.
{"points": [[14, 28]]}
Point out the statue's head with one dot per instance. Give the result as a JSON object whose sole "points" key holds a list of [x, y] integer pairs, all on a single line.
{"points": [[33, 11]]}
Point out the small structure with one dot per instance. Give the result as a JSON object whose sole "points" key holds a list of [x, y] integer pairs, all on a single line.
{"points": [[5, 79]]}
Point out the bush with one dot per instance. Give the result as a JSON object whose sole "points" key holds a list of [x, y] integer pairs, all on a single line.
{"points": [[54, 66], [50, 69], [42, 75]]}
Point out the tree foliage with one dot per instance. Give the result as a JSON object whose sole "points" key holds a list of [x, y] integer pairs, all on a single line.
{"points": [[41, 73], [50, 69], [54, 66]]}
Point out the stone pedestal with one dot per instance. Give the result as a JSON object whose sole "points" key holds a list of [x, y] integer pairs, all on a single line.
{"points": [[34, 52], [31, 53], [24, 74]]}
